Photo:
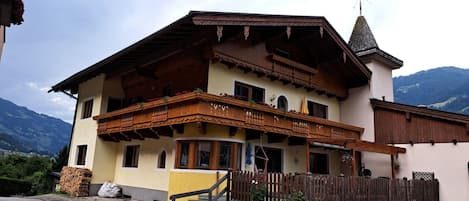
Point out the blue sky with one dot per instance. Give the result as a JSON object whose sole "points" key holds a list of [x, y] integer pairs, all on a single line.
{"points": [[59, 38]]}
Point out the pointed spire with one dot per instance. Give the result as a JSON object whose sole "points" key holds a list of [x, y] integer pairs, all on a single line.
{"points": [[362, 38]]}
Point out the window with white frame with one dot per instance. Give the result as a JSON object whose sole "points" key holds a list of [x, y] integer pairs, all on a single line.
{"points": [[162, 160], [81, 154], [131, 156]]}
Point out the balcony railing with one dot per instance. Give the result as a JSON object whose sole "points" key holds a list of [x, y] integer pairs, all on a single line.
{"points": [[206, 108]]}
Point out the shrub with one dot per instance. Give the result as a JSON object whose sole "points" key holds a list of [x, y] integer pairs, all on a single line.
{"points": [[13, 186]]}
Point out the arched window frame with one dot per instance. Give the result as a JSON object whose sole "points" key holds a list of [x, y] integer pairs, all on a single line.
{"points": [[161, 162], [282, 98]]}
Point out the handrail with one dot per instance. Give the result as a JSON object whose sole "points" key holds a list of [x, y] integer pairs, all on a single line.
{"points": [[226, 190]]}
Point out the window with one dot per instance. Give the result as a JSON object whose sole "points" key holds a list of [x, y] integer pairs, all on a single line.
{"points": [[113, 104], [183, 154], [317, 110], [131, 156], [87, 109], [224, 160], [249, 93], [213, 155], [162, 160], [275, 159], [282, 103], [203, 154], [318, 163], [81, 154]]}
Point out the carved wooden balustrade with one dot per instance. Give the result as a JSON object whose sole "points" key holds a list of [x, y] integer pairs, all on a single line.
{"points": [[136, 121]]}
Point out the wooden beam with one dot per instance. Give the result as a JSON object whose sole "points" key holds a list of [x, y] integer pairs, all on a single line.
{"points": [[202, 127], [307, 158], [393, 171], [232, 130], [354, 163], [360, 145], [275, 138], [179, 128]]}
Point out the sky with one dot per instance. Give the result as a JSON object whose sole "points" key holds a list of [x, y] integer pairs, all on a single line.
{"points": [[59, 38]]}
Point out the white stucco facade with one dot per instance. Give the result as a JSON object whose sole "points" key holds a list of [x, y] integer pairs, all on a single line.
{"points": [[449, 162]]}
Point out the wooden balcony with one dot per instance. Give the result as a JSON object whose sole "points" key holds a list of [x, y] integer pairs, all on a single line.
{"points": [[160, 117]]}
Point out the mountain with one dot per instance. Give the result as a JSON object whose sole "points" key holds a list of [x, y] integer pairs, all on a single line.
{"points": [[443, 88], [23, 130]]}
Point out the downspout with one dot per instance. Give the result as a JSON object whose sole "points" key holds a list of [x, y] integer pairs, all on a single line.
{"points": [[73, 123]]}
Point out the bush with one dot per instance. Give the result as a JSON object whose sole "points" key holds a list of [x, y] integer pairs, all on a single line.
{"points": [[13, 186]]}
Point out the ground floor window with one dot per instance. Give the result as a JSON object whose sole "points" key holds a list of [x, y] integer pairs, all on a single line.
{"points": [[162, 160], [81, 154], [208, 154], [274, 164], [131, 156], [318, 163]]}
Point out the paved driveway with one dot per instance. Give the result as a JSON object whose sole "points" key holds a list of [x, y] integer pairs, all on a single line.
{"points": [[58, 197]]}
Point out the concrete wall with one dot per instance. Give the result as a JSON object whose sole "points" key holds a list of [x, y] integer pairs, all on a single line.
{"points": [[222, 79], [449, 162]]}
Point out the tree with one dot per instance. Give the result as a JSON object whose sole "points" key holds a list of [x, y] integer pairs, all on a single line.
{"points": [[60, 160]]}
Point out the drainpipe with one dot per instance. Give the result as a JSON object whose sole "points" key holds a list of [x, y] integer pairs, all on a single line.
{"points": [[73, 122]]}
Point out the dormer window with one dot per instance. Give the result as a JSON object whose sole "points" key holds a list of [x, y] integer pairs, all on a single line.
{"points": [[249, 92]]}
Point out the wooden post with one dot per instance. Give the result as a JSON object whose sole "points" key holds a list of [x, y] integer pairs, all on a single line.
{"points": [[307, 157], [354, 168], [393, 171]]}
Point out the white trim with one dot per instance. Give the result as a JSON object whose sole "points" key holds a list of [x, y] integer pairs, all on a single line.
{"points": [[158, 155], [77, 152], [125, 145], [276, 102], [209, 139], [83, 106]]}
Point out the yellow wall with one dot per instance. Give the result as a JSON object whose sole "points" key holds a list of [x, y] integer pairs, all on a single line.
{"points": [[84, 132], [221, 80], [146, 175], [190, 180]]}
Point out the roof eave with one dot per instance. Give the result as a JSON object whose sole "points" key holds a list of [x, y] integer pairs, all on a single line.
{"points": [[378, 54]]}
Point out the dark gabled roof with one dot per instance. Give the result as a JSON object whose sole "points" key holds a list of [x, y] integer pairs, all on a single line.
{"points": [[363, 43], [423, 111], [159, 44]]}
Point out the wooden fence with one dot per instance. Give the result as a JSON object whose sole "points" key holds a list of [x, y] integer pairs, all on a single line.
{"points": [[331, 188]]}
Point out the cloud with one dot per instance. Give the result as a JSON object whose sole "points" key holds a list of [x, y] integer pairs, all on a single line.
{"points": [[59, 38]]}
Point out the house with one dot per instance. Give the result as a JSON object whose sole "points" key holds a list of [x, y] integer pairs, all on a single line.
{"points": [[215, 91], [11, 12]]}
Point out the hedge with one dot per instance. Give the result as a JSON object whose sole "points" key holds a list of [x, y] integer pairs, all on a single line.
{"points": [[13, 186]]}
